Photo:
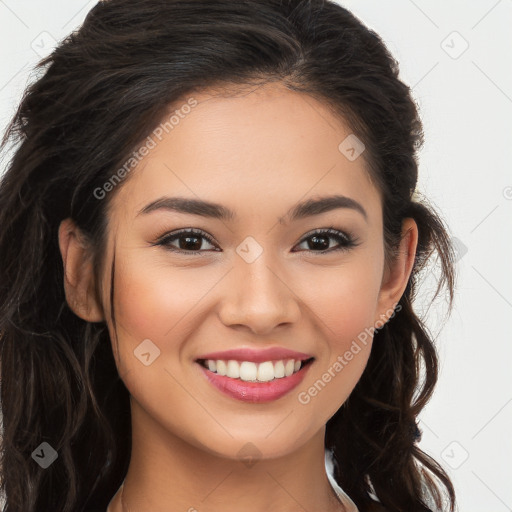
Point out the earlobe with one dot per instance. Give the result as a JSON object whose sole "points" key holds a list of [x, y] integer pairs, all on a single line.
{"points": [[79, 279], [396, 277]]}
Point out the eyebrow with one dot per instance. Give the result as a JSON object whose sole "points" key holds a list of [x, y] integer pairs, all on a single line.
{"points": [[212, 210]]}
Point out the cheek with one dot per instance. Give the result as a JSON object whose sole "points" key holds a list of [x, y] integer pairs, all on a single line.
{"points": [[350, 336], [344, 298], [347, 319], [154, 301]]}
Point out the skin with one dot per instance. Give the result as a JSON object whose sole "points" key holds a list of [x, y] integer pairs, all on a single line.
{"points": [[274, 148]]}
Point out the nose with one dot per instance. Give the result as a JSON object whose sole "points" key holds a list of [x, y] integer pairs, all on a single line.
{"points": [[260, 297]]}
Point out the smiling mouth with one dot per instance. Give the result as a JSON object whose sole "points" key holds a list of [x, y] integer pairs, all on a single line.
{"points": [[249, 371]]}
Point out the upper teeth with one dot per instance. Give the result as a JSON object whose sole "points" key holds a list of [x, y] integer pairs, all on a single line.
{"points": [[256, 372]]}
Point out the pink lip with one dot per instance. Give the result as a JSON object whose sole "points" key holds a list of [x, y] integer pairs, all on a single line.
{"points": [[255, 392], [256, 356]]}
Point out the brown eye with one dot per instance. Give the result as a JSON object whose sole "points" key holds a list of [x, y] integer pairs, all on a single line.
{"points": [[320, 240], [188, 241]]}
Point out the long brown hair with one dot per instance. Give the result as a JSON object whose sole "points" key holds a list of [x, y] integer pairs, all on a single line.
{"points": [[100, 93]]}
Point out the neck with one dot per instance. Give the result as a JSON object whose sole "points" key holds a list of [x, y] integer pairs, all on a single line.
{"points": [[168, 474]]}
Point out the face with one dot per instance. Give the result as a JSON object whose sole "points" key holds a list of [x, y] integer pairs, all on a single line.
{"points": [[264, 277]]}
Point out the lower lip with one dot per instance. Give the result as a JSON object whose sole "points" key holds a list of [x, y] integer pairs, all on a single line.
{"points": [[255, 392]]}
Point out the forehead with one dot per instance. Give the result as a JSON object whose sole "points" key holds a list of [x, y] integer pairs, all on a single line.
{"points": [[259, 149]]}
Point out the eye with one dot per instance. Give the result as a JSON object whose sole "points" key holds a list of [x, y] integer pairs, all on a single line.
{"points": [[320, 239], [190, 240]]}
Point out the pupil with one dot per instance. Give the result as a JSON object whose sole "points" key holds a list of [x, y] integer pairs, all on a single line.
{"points": [[325, 244], [197, 245]]}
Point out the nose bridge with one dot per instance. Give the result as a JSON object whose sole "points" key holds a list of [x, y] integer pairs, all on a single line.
{"points": [[258, 295]]}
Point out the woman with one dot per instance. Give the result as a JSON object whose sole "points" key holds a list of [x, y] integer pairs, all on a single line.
{"points": [[210, 245]]}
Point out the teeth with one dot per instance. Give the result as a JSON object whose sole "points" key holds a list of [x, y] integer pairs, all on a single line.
{"points": [[248, 370], [279, 370], [289, 367], [254, 372], [221, 368], [233, 370], [265, 371]]}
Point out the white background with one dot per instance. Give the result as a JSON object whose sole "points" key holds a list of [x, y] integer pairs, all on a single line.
{"points": [[465, 99]]}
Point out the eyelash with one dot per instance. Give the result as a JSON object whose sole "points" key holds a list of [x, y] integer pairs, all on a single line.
{"points": [[346, 240]]}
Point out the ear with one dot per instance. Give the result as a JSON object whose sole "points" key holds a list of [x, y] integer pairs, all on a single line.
{"points": [[396, 276], [79, 282]]}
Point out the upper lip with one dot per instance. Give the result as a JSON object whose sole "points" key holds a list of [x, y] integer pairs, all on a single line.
{"points": [[257, 355]]}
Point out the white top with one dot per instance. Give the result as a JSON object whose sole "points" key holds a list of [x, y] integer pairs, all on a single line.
{"points": [[344, 498]]}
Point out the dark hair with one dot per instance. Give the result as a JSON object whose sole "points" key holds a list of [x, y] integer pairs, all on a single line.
{"points": [[102, 91]]}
